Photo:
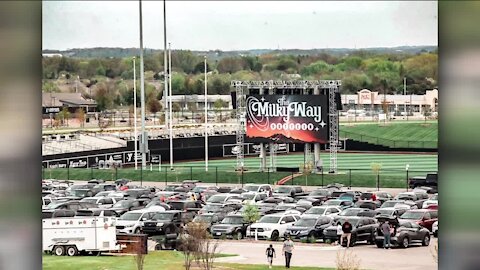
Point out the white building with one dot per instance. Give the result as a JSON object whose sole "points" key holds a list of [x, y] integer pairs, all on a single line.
{"points": [[372, 101], [199, 100]]}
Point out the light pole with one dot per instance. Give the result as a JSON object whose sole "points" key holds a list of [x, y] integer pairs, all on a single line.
{"points": [[170, 104], [404, 94], [135, 111], [206, 118], [143, 145]]}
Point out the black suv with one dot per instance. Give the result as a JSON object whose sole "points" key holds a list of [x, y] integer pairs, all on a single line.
{"points": [[309, 227], [231, 226], [189, 207], [163, 223], [363, 229]]}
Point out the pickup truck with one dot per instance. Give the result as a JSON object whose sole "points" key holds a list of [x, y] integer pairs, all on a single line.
{"points": [[430, 180]]}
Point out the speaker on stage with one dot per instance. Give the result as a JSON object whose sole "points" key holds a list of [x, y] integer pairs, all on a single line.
{"points": [[234, 99], [338, 101]]}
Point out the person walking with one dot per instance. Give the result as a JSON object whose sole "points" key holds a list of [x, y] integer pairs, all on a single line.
{"points": [[287, 251], [347, 232], [339, 233], [270, 255], [385, 227]]}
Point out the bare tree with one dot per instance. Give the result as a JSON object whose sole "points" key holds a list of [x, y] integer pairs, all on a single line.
{"points": [[347, 260]]}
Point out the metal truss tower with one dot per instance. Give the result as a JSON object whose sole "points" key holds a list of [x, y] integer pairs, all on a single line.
{"points": [[331, 86]]}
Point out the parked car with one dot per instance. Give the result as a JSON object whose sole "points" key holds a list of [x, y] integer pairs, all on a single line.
{"points": [[103, 187], [190, 208], [321, 194], [391, 211], [435, 228], [351, 212], [404, 234], [102, 202], [430, 180], [308, 227], [222, 198], [219, 209], [339, 203], [363, 229], [259, 188], [394, 203], [209, 219], [124, 206], [132, 221], [290, 191], [56, 213], [70, 205], [163, 223], [231, 226], [272, 226], [317, 211], [423, 217], [96, 212], [433, 200], [253, 197], [367, 204]]}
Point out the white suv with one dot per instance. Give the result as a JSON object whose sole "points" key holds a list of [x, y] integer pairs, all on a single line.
{"points": [[316, 211], [259, 188], [132, 221], [272, 226]]}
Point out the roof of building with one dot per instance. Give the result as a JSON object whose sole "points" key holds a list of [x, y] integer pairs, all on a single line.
{"points": [[65, 99]]}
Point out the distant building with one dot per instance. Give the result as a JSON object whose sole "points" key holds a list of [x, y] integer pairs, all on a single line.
{"points": [[52, 55], [373, 101], [199, 101], [72, 101]]}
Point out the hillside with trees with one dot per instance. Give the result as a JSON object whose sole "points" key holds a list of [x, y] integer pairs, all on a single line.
{"points": [[109, 80]]}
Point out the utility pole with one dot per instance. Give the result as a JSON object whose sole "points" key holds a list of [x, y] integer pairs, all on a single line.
{"points": [[404, 94]]}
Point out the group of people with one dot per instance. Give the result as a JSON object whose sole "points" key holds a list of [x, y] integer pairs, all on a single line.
{"points": [[343, 230], [287, 251]]}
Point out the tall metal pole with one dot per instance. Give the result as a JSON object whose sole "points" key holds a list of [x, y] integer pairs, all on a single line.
{"points": [[170, 103], [165, 88], [135, 111], [206, 118], [143, 147], [405, 93]]}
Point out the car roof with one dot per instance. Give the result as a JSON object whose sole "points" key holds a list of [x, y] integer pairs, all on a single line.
{"points": [[144, 210], [422, 210]]}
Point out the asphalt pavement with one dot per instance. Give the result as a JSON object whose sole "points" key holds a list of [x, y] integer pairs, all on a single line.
{"points": [[324, 255]]}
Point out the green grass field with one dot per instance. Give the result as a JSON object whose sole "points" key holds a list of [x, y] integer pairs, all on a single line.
{"points": [[399, 135], [354, 169], [165, 260]]}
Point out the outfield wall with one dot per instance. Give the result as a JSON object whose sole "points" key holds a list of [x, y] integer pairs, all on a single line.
{"points": [[193, 148]]}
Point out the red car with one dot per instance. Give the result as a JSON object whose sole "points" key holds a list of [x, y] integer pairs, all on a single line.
{"points": [[423, 217]]}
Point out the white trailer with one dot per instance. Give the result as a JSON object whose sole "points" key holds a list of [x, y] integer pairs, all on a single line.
{"points": [[72, 235]]}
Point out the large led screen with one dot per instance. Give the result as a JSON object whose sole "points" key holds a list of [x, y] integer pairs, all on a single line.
{"points": [[287, 118]]}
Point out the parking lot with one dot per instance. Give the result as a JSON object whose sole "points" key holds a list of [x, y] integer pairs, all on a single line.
{"points": [[371, 257]]}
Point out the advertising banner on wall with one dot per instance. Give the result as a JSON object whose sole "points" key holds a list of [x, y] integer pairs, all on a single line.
{"points": [[287, 118]]}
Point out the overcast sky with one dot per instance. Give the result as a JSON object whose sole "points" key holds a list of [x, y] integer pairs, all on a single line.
{"points": [[240, 25]]}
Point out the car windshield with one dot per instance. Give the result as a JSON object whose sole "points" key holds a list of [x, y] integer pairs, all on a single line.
{"points": [[388, 212], [203, 218], [232, 220], [304, 222], [74, 187], [269, 219], [248, 196], [217, 198], [130, 216], [389, 204], [154, 203], [121, 204], [211, 208], [89, 200], [316, 211], [102, 193], [282, 190], [350, 212], [79, 192], [199, 189], [163, 216], [251, 187], [54, 205], [333, 202], [321, 192], [412, 215]]}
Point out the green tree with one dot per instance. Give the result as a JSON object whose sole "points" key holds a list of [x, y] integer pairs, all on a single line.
{"points": [[50, 87], [251, 213]]}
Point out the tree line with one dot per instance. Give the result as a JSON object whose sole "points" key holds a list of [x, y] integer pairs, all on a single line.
{"points": [[111, 77]]}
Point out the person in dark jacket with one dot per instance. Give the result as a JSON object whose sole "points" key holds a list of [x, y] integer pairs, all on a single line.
{"points": [[385, 227], [347, 232], [270, 254]]}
